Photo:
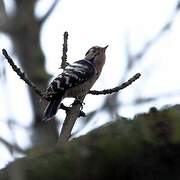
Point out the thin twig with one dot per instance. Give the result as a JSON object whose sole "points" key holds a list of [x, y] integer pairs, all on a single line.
{"points": [[164, 29], [48, 13], [11, 147], [65, 49], [116, 89], [21, 74]]}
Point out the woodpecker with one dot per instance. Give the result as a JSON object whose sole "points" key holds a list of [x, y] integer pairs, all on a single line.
{"points": [[75, 80]]}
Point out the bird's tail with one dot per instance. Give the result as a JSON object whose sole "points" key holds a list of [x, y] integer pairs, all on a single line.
{"points": [[52, 108]]}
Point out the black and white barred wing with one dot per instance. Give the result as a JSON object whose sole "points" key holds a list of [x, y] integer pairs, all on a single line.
{"points": [[73, 75], [79, 72]]}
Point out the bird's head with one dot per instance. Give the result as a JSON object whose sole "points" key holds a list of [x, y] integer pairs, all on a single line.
{"points": [[95, 52]]}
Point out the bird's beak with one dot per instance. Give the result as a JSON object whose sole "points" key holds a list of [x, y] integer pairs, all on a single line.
{"points": [[105, 47]]}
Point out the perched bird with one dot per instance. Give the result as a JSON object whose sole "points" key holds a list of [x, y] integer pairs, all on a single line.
{"points": [[75, 80]]}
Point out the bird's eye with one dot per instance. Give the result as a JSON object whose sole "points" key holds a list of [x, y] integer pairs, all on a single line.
{"points": [[93, 50]]}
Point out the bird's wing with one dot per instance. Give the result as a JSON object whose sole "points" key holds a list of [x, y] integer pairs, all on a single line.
{"points": [[73, 75]]}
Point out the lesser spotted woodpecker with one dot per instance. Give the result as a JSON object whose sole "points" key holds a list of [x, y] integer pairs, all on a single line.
{"points": [[75, 80]]}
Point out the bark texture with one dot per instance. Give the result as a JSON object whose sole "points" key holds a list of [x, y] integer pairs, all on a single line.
{"points": [[146, 147]]}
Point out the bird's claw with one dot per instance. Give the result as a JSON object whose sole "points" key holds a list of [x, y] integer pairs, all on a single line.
{"points": [[78, 101]]}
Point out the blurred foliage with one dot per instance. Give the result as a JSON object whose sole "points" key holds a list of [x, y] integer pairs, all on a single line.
{"points": [[23, 28], [146, 147]]}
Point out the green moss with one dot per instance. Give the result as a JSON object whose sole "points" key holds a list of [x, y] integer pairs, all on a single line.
{"points": [[146, 147]]}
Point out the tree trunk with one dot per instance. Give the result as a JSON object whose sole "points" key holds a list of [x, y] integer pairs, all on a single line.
{"points": [[24, 30]]}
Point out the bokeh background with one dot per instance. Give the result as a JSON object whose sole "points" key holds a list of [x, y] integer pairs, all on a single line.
{"points": [[143, 36]]}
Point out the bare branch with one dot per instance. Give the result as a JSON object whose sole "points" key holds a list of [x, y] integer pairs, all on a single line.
{"points": [[73, 113], [48, 13], [167, 26], [65, 49], [11, 147], [31, 84], [21, 74], [118, 88], [71, 117], [143, 100], [133, 59], [67, 109]]}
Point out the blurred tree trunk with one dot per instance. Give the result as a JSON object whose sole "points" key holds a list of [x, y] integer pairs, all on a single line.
{"points": [[23, 27]]}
